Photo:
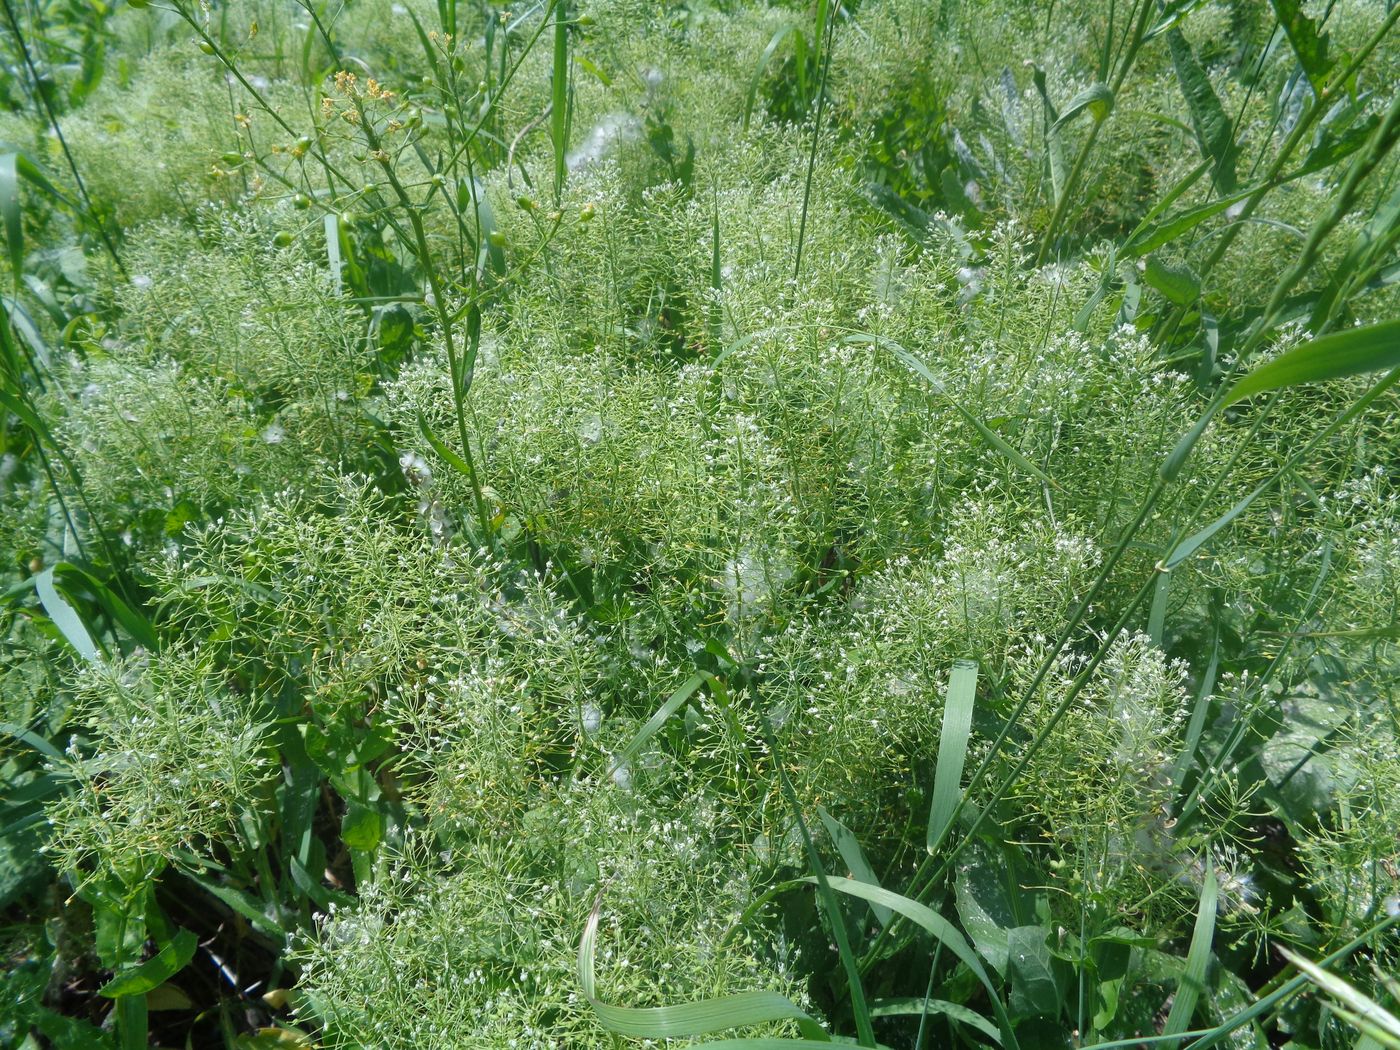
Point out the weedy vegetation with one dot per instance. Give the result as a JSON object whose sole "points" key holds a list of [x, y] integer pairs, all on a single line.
{"points": [[599, 523]]}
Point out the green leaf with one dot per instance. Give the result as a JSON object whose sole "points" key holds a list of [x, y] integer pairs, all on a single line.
{"points": [[1096, 99], [10, 207], [986, 432], [952, 751], [560, 95], [1193, 972], [763, 61], [1212, 126], [687, 1020], [916, 1007], [362, 828], [1355, 351], [665, 711], [1359, 1009], [1308, 44], [155, 971], [849, 848], [1030, 969], [65, 617], [440, 447], [942, 930], [1176, 283]]}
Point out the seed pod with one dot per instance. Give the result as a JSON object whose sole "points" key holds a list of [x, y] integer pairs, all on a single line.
{"points": [[232, 158], [206, 47], [586, 213], [497, 239], [301, 202], [283, 239]]}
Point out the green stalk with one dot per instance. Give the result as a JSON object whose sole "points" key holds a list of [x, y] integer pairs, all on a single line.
{"points": [[1077, 170], [58, 133]]}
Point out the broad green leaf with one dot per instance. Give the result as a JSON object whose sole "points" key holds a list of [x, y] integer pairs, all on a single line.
{"points": [[1193, 973], [942, 930], [1208, 119], [155, 971], [952, 751], [1030, 970], [65, 617], [362, 827], [1096, 99], [1372, 348], [1176, 283], [687, 1020], [1308, 44]]}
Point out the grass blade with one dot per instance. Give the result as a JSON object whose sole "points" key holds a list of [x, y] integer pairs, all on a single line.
{"points": [[941, 929], [665, 711], [65, 617], [1355, 351], [559, 96], [849, 848], [1193, 974], [914, 1006], [763, 61], [952, 751], [686, 1020], [987, 433], [1359, 1009]]}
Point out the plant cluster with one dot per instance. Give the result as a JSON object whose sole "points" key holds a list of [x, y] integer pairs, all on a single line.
{"points": [[763, 524]]}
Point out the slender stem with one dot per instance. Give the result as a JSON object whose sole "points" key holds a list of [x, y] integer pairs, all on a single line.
{"points": [[37, 93]]}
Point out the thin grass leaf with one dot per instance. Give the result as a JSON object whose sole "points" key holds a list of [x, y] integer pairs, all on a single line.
{"points": [[687, 1020], [1208, 119], [450, 457], [332, 228], [1353, 1005], [559, 96], [132, 621], [35, 741], [763, 60], [1356, 351], [1193, 974], [1054, 146], [1157, 614], [671, 706], [952, 751], [65, 617], [1194, 542], [1196, 726], [915, 1007], [942, 931], [849, 848], [986, 432]]}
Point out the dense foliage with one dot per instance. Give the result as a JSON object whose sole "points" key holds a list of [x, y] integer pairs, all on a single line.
{"points": [[520, 524]]}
